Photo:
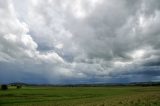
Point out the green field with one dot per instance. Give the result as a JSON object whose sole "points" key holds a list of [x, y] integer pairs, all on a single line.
{"points": [[81, 96]]}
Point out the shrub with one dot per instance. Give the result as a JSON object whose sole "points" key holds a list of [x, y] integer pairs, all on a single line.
{"points": [[19, 86], [4, 87]]}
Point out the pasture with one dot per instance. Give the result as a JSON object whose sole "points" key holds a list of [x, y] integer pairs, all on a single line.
{"points": [[81, 96]]}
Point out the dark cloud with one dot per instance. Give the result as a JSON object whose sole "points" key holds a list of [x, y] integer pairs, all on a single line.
{"points": [[79, 41]]}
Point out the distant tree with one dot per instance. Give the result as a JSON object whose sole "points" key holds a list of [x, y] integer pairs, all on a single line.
{"points": [[4, 87], [19, 86]]}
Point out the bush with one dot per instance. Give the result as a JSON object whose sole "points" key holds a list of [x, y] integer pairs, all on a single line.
{"points": [[4, 87], [19, 86]]}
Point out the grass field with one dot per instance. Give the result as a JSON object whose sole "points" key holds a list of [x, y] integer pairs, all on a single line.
{"points": [[81, 96]]}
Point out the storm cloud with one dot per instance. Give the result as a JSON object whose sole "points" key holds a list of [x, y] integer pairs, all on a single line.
{"points": [[79, 41]]}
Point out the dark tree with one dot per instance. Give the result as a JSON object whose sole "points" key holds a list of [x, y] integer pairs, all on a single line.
{"points": [[19, 86], [4, 87]]}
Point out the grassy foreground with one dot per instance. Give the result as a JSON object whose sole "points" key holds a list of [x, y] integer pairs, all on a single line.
{"points": [[81, 96]]}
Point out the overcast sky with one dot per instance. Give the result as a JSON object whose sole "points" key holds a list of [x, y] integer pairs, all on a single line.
{"points": [[79, 41]]}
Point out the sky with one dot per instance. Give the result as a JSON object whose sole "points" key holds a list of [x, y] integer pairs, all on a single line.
{"points": [[79, 41]]}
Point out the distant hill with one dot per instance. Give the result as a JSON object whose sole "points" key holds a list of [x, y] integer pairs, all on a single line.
{"points": [[90, 85]]}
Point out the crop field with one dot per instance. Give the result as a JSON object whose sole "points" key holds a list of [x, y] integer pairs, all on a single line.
{"points": [[81, 96]]}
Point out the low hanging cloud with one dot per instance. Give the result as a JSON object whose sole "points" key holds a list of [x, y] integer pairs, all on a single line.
{"points": [[79, 41]]}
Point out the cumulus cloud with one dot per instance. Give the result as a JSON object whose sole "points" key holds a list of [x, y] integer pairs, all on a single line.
{"points": [[18, 50], [79, 41]]}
